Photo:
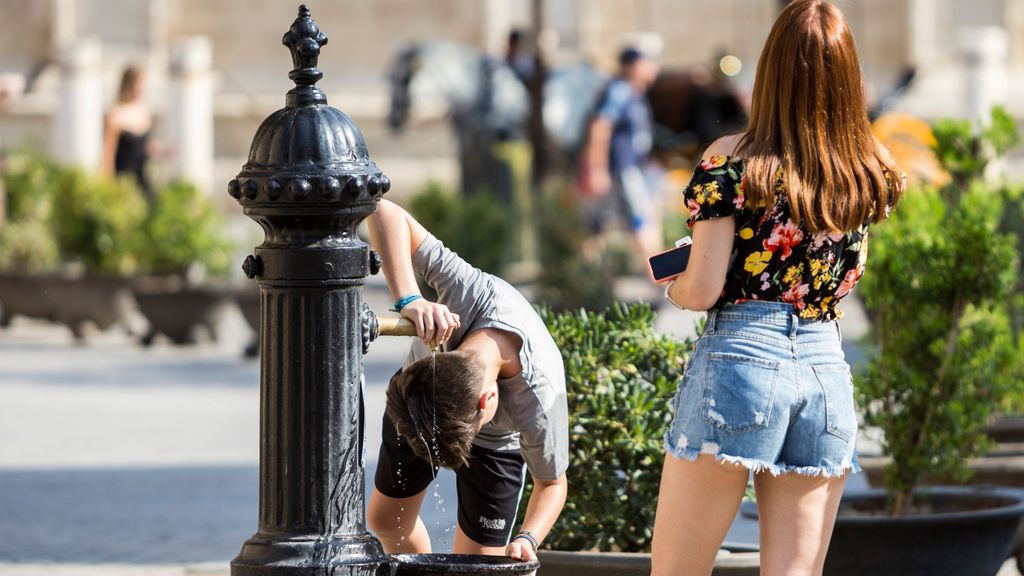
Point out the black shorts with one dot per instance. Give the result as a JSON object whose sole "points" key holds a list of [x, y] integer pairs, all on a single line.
{"points": [[488, 488]]}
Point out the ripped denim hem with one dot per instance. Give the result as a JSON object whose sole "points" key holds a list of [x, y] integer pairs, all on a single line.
{"points": [[758, 466]]}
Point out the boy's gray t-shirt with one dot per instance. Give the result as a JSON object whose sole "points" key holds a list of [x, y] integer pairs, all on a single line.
{"points": [[532, 413]]}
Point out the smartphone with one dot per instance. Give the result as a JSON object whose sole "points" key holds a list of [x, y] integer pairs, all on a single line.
{"points": [[670, 263]]}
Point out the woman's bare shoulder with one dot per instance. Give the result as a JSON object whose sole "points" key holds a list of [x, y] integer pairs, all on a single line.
{"points": [[724, 146]]}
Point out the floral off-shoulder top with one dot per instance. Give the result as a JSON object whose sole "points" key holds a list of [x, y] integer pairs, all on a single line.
{"points": [[773, 258]]}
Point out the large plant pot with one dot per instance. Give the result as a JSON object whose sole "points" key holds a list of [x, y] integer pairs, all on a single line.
{"points": [[181, 312], [1004, 466], [75, 301], [562, 563], [1008, 428], [969, 532]]}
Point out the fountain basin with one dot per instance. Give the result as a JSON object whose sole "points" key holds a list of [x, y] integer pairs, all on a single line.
{"points": [[463, 564]]}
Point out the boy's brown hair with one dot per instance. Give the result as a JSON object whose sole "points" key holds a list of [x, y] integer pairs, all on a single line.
{"points": [[435, 405]]}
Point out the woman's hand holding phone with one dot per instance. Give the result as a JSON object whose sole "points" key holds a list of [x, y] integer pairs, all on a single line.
{"points": [[666, 266]]}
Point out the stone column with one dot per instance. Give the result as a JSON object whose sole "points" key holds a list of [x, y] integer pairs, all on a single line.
{"points": [[77, 128], [497, 23], [922, 26], [190, 111], [984, 51]]}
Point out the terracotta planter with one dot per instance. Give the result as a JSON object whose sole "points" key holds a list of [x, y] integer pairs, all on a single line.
{"points": [[75, 301], [180, 312], [561, 563]]}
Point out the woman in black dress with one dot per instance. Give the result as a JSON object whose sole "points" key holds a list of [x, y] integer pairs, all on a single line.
{"points": [[127, 146]]}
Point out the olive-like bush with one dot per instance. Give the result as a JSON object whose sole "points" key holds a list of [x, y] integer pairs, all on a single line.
{"points": [[476, 226], [939, 285], [620, 377], [183, 228]]}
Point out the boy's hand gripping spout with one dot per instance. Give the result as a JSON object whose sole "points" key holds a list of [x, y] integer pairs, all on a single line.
{"points": [[434, 322]]}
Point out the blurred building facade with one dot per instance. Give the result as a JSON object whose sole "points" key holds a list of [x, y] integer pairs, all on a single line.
{"points": [[72, 51]]}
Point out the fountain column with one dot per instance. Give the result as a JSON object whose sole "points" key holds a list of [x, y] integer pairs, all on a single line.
{"points": [[309, 182]]}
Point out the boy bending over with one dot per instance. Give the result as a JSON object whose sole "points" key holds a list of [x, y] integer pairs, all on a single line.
{"points": [[490, 404]]}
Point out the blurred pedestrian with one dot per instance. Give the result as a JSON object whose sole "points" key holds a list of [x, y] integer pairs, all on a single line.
{"points": [[780, 218], [619, 140], [519, 57], [127, 145]]}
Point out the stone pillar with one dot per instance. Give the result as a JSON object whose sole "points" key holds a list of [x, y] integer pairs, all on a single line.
{"points": [[984, 51], [64, 28], [922, 25], [77, 128], [497, 24], [190, 111]]}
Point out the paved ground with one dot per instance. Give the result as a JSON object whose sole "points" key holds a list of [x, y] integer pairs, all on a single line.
{"points": [[147, 458], [115, 453]]}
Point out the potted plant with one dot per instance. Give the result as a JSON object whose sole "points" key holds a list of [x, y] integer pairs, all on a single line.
{"points": [[181, 242], [477, 226], [940, 274], [66, 243], [620, 378]]}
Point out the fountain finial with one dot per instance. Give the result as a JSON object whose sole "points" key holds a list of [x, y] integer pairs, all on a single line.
{"points": [[304, 40]]}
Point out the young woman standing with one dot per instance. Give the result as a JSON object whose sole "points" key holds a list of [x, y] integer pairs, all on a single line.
{"points": [[127, 145], [780, 218]]}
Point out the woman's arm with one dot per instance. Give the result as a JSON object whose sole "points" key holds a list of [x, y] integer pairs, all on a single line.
{"points": [[396, 235], [700, 286], [545, 505], [110, 134], [598, 143]]}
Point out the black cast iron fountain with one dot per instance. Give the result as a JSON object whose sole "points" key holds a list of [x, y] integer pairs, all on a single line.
{"points": [[309, 182]]}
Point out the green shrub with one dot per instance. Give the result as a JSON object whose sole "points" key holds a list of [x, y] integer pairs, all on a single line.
{"points": [[26, 241], [477, 227], [568, 280], [183, 228], [29, 179], [28, 246], [939, 277], [1012, 222], [965, 153], [96, 222], [620, 378]]}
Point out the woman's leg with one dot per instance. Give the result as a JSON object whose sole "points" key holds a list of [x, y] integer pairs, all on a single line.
{"points": [[696, 506], [796, 518]]}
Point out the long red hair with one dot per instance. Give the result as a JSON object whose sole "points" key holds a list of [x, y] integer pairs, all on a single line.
{"points": [[808, 120]]}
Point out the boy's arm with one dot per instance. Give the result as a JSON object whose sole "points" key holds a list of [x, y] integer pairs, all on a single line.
{"points": [[545, 505], [396, 235]]}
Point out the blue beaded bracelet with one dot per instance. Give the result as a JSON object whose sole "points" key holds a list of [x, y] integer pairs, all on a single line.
{"points": [[405, 301], [529, 537]]}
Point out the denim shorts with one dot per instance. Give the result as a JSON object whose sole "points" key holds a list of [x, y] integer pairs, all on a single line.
{"points": [[767, 390]]}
